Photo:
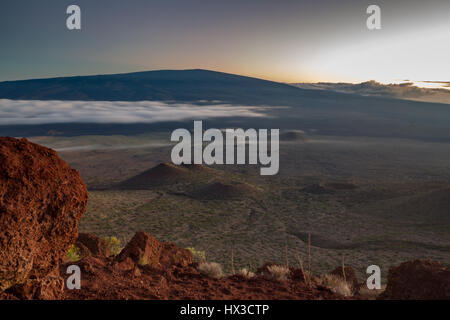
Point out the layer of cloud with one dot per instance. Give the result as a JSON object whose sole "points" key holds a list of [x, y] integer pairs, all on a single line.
{"points": [[14, 112], [406, 90]]}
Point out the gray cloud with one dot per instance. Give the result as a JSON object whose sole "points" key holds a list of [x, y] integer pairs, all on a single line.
{"points": [[40, 112], [405, 90]]}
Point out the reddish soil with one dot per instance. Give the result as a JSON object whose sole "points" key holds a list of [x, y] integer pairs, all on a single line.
{"points": [[149, 269], [101, 280]]}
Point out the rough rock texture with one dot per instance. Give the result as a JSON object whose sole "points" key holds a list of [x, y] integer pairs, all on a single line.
{"points": [[48, 288], [95, 245], [143, 249], [41, 201], [170, 274], [350, 275], [418, 280]]}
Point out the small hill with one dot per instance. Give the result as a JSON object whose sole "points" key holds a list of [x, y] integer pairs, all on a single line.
{"points": [[293, 135], [168, 173], [220, 190], [163, 173]]}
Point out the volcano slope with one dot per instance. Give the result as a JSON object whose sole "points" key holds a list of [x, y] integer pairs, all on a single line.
{"points": [[353, 196]]}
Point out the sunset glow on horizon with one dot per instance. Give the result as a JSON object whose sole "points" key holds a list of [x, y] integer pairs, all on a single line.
{"points": [[287, 41]]}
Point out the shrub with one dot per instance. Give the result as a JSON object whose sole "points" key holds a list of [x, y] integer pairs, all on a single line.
{"points": [[199, 256], [246, 273], [369, 294], [278, 272], [336, 284], [114, 245], [210, 269], [73, 254]]}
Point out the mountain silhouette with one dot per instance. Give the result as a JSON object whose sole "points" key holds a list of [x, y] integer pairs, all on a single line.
{"points": [[163, 85], [286, 107]]}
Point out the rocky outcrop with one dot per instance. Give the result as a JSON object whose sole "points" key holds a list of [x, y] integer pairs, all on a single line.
{"points": [[90, 244], [41, 202], [144, 250], [418, 280]]}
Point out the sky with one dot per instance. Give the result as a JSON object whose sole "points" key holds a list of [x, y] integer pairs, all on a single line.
{"points": [[284, 40]]}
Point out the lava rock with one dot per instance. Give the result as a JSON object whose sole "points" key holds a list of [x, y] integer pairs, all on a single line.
{"points": [[41, 202]]}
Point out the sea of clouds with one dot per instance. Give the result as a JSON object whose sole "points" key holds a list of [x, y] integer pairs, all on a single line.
{"points": [[405, 90], [15, 112]]}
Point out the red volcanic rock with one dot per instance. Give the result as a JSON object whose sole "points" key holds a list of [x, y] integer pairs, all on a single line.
{"points": [[95, 245], [145, 250], [418, 280], [49, 287], [41, 201]]}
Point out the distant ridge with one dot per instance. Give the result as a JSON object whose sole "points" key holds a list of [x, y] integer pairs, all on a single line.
{"points": [[313, 111], [164, 85]]}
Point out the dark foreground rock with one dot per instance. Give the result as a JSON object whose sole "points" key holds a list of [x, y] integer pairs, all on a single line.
{"points": [[418, 280], [41, 202], [144, 250], [90, 244]]}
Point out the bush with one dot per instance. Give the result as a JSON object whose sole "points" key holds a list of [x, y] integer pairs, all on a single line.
{"points": [[246, 273], [210, 269], [114, 245], [278, 272], [336, 284], [370, 294], [73, 254], [199, 256]]}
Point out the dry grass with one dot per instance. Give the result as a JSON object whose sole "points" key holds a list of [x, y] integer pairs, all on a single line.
{"points": [[246, 273], [336, 284], [210, 269], [369, 294], [277, 272], [232, 261], [306, 275]]}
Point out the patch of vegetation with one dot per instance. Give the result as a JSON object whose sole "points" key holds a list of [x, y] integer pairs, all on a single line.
{"points": [[211, 269], [115, 246], [198, 255], [278, 272], [336, 284], [143, 261], [73, 254]]}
